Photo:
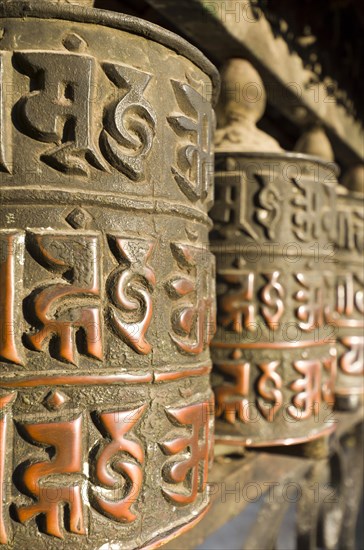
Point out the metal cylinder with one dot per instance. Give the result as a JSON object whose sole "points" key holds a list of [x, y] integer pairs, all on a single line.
{"points": [[274, 352], [107, 292], [349, 294]]}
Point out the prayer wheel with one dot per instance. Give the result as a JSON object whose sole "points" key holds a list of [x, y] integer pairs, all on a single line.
{"points": [[274, 351], [349, 290], [107, 296]]}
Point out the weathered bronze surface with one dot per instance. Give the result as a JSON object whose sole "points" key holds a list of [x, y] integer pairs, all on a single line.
{"points": [[349, 306], [348, 310], [274, 353], [107, 294]]}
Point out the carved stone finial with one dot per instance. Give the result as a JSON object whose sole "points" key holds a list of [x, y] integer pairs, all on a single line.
{"points": [[314, 141], [354, 179], [242, 103]]}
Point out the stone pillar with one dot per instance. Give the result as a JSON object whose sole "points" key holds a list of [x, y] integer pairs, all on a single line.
{"points": [[274, 355], [107, 292]]}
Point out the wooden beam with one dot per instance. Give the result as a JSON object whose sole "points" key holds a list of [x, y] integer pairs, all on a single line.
{"points": [[227, 28]]}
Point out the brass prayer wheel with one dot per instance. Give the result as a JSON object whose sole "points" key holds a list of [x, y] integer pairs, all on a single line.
{"points": [[274, 351], [349, 290], [107, 298]]}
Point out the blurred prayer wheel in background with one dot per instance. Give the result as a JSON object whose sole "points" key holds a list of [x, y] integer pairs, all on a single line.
{"points": [[107, 297], [274, 352], [349, 307]]}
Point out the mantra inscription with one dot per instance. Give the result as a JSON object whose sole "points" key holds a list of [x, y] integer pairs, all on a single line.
{"points": [[117, 426], [274, 354], [194, 319], [188, 471], [99, 118], [245, 297], [127, 294], [349, 298], [261, 214], [76, 256], [82, 459], [107, 296], [235, 400], [237, 308], [68, 306], [350, 310], [115, 476], [195, 171], [69, 97], [253, 306], [65, 439]]}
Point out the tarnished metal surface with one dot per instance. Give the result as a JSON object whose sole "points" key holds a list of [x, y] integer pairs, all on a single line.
{"points": [[274, 353], [349, 303], [107, 294], [323, 494], [348, 310]]}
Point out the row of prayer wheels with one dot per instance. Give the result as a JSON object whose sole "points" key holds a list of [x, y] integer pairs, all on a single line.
{"points": [[108, 288], [288, 240]]}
